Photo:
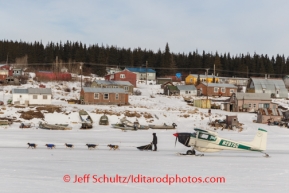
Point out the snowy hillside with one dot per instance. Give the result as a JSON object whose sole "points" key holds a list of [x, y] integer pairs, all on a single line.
{"points": [[43, 170]]}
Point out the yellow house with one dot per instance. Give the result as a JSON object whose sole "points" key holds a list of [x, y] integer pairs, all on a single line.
{"points": [[192, 79]]}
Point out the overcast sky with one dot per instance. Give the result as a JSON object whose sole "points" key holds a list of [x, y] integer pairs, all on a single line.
{"points": [[235, 26]]}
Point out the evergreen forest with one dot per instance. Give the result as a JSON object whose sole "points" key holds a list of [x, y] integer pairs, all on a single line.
{"points": [[96, 57]]}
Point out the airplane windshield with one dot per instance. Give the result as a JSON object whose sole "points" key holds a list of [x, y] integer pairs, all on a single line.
{"points": [[194, 135], [207, 137]]}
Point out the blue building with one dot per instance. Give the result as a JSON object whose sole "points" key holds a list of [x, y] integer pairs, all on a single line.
{"points": [[143, 73]]}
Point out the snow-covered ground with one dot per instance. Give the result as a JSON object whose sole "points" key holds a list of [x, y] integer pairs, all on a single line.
{"points": [[42, 170]]}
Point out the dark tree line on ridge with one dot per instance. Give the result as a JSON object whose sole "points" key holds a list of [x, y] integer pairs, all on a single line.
{"points": [[96, 57]]}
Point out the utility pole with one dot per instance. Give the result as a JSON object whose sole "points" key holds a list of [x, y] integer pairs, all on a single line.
{"points": [[56, 67], [146, 72], [247, 71], [207, 87], [7, 58], [80, 68]]}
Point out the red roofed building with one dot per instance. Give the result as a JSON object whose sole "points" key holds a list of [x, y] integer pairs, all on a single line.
{"points": [[124, 75], [5, 71]]}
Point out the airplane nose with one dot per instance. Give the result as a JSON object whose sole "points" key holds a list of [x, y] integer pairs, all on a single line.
{"points": [[176, 134]]}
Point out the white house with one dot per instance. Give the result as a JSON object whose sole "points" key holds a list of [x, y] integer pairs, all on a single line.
{"points": [[32, 96], [187, 90]]}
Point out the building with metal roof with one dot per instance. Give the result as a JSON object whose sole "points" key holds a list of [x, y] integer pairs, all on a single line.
{"points": [[248, 102], [126, 85], [187, 90], [104, 96], [143, 73], [275, 87], [268, 115], [216, 89], [113, 82], [193, 79], [31, 96], [106, 90]]}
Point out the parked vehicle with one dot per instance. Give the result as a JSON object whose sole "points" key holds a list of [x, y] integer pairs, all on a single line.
{"points": [[86, 121]]}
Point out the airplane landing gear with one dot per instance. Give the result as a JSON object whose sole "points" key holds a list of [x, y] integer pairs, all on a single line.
{"points": [[191, 152]]}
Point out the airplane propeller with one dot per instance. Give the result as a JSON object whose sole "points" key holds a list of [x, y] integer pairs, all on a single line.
{"points": [[176, 134]]}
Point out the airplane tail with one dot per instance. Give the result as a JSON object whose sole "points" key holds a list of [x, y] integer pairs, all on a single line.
{"points": [[260, 140]]}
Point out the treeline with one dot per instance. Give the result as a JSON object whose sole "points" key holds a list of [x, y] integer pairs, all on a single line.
{"points": [[96, 57]]}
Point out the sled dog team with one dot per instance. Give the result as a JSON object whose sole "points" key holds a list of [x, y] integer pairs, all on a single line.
{"points": [[90, 146]]}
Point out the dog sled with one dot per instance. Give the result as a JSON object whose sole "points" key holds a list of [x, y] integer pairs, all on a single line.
{"points": [[26, 125], [164, 126], [128, 125], [86, 121], [53, 127], [145, 147], [123, 126]]}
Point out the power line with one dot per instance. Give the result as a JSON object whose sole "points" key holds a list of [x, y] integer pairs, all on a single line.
{"points": [[153, 67]]}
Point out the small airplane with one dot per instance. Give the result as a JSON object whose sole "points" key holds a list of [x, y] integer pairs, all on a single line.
{"points": [[208, 141]]}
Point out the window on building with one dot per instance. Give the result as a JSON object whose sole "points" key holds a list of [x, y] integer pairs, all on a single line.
{"points": [[122, 75], [96, 95], [277, 92], [126, 88], [115, 86], [231, 90], [116, 96], [254, 105], [216, 89], [223, 90], [106, 96], [250, 105], [34, 96], [187, 92], [44, 96], [266, 105], [264, 90], [191, 80], [20, 96]]}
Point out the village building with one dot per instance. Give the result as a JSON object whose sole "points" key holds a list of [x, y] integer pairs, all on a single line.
{"points": [[193, 78], [187, 90], [112, 70], [125, 85], [104, 96], [31, 96], [64, 69], [5, 71], [17, 72], [167, 83], [203, 103], [268, 115], [171, 90], [124, 75], [174, 78], [275, 87], [216, 89], [248, 102], [237, 81], [163, 80], [179, 90], [143, 73], [53, 76]]}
